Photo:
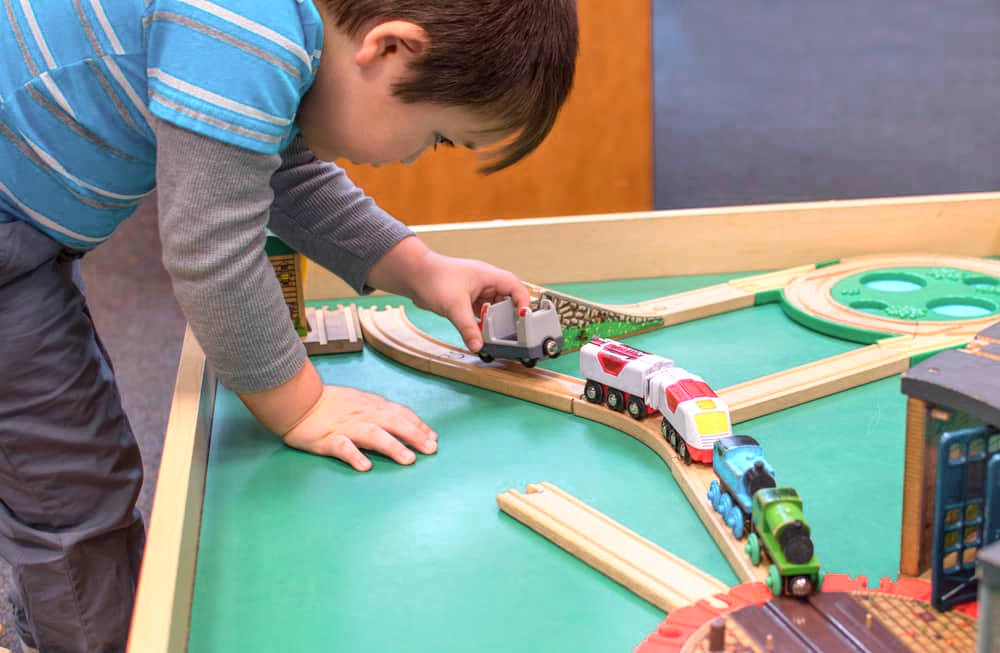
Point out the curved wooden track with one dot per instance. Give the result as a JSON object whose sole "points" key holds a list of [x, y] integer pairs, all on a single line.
{"points": [[811, 292], [391, 333]]}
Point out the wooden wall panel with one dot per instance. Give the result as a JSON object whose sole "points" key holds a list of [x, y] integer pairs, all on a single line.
{"points": [[598, 158]]}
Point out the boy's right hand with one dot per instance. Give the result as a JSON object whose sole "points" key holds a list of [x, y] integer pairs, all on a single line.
{"points": [[344, 420]]}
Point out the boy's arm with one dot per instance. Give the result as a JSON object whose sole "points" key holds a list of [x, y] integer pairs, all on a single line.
{"points": [[214, 201], [321, 213]]}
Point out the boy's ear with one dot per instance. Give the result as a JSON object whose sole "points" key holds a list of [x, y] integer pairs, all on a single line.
{"points": [[389, 38]]}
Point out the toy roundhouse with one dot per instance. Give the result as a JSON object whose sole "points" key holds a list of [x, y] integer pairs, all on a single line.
{"points": [[951, 491]]}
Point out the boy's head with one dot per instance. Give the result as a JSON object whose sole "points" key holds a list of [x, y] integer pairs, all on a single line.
{"points": [[398, 76]]}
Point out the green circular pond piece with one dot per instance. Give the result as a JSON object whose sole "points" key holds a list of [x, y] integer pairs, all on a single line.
{"points": [[921, 294]]}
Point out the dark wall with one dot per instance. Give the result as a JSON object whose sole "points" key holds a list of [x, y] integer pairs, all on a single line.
{"points": [[774, 100]]}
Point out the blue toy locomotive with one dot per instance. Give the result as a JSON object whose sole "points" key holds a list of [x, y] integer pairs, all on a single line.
{"points": [[738, 462], [747, 497]]}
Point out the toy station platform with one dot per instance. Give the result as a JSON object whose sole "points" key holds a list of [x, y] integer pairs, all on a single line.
{"points": [[256, 546]]}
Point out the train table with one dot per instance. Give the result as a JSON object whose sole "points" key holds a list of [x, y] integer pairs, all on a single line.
{"points": [[255, 546]]}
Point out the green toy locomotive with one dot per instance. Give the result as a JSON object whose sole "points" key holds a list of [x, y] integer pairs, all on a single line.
{"points": [[781, 532]]}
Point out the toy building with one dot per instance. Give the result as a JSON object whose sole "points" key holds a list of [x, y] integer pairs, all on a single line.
{"points": [[951, 482], [287, 265]]}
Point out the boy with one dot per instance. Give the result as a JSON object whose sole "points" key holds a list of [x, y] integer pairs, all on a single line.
{"points": [[229, 108]]}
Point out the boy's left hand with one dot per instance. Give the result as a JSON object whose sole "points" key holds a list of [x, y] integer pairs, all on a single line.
{"points": [[455, 288]]}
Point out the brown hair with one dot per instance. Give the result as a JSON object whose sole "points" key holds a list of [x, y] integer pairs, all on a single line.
{"points": [[511, 60]]}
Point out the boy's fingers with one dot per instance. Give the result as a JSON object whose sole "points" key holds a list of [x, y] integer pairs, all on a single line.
{"points": [[341, 447], [519, 293], [466, 324], [378, 439], [395, 417], [413, 432]]}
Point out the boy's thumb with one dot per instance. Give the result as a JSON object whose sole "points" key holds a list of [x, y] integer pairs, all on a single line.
{"points": [[468, 329]]}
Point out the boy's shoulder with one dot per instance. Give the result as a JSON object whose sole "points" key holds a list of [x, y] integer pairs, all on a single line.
{"points": [[232, 70], [294, 26]]}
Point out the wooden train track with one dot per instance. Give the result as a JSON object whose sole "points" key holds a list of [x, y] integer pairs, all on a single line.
{"points": [[698, 303], [391, 333], [808, 288], [656, 575], [812, 293], [797, 385]]}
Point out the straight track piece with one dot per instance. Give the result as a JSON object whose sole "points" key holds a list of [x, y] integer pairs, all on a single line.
{"points": [[656, 575], [333, 331]]}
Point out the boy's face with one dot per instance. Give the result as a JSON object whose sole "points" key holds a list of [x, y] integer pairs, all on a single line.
{"points": [[351, 113]]}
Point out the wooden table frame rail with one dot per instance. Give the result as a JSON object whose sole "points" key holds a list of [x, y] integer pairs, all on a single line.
{"points": [[616, 246]]}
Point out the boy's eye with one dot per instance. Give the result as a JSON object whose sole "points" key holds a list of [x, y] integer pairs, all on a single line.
{"points": [[441, 140]]}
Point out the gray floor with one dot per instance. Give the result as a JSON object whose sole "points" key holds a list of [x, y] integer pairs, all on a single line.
{"points": [[779, 101]]}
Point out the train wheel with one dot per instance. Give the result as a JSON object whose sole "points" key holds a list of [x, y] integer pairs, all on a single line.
{"points": [[725, 503], [774, 582], [713, 494], [636, 407], [735, 520], [529, 362], [666, 430], [486, 358], [753, 548], [800, 586], [551, 348], [593, 392], [616, 400], [682, 451]]}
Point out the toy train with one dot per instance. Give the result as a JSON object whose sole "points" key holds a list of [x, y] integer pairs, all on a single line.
{"points": [[747, 497], [526, 334], [624, 378], [696, 423]]}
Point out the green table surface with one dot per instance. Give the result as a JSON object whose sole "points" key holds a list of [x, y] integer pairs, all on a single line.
{"points": [[300, 553]]}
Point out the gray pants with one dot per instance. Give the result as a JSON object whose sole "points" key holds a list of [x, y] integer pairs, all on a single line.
{"points": [[70, 469]]}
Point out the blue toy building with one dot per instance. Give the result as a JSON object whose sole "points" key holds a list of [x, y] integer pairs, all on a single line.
{"points": [[951, 495]]}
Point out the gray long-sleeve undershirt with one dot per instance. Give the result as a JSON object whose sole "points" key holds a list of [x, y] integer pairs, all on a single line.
{"points": [[215, 201]]}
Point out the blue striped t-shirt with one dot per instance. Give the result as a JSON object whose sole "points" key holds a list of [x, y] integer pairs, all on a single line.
{"points": [[80, 80]]}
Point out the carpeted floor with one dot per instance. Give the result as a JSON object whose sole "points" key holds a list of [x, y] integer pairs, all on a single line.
{"points": [[778, 101]]}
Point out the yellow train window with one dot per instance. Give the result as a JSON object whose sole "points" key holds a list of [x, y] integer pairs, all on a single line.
{"points": [[712, 423]]}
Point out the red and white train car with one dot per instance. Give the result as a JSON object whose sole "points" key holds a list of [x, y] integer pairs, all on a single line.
{"points": [[625, 378]]}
